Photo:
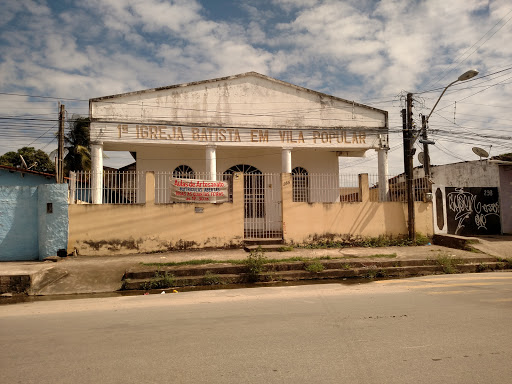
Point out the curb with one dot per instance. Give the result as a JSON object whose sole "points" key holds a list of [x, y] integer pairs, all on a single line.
{"points": [[146, 278]]}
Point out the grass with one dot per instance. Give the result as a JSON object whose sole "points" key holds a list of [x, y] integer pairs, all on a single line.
{"points": [[382, 256], [158, 282], [284, 249], [267, 260], [373, 272], [448, 263], [506, 262], [211, 279], [367, 242], [314, 266]]}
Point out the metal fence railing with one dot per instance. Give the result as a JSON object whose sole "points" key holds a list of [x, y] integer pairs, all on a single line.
{"points": [[128, 187], [397, 188], [325, 188], [117, 188]]}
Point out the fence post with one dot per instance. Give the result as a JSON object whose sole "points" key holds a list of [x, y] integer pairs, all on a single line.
{"points": [[150, 187], [72, 188], [364, 187], [286, 200]]}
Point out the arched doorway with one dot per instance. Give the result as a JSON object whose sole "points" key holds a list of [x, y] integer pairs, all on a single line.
{"points": [[262, 203]]}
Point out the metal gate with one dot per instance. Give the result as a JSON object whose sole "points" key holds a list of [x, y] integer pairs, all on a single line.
{"points": [[262, 206]]}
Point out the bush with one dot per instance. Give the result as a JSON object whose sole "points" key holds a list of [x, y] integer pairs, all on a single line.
{"points": [[255, 264]]}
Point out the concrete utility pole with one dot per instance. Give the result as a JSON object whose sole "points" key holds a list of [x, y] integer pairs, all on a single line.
{"points": [[426, 142], [409, 167], [60, 157]]}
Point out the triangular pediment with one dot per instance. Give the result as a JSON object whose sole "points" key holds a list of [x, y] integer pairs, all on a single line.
{"points": [[245, 100]]}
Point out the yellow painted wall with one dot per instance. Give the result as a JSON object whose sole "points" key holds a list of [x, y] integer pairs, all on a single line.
{"points": [[303, 222], [125, 229]]}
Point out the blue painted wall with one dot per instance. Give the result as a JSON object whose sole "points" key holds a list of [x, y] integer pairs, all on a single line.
{"points": [[18, 224], [27, 230], [18, 179], [53, 227]]}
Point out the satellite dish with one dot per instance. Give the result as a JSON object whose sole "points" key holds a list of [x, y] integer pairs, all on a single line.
{"points": [[421, 158], [480, 152]]}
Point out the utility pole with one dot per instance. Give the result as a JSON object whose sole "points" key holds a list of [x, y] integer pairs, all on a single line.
{"points": [[60, 157], [426, 142], [409, 167]]}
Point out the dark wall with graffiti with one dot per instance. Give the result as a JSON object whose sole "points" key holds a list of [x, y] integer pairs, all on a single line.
{"points": [[473, 211]]}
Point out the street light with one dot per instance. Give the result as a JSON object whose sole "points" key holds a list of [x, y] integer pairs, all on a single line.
{"points": [[424, 140], [409, 140]]}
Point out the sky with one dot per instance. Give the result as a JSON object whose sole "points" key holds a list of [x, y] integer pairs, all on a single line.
{"points": [[369, 51]]}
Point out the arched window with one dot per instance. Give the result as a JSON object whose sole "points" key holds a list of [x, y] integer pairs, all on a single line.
{"points": [[183, 172], [300, 184], [254, 189], [243, 168]]}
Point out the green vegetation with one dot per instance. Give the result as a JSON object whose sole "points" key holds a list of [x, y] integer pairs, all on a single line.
{"points": [[255, 264], [211, 278], [314, 267], [482, 267], [366, 242], [78, 145], [382, 256], [159, 282], [448, 262], [187, 262], [36, 160], [284, 249], [373, 272], [505, 262]]}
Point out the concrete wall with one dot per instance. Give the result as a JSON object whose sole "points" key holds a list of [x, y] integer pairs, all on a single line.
{"points": [[18, 224], [467, 174], [304, 222], [506, 198], [14, 179], [125, 229], [27, 231], [53, 221], [246, 100]]}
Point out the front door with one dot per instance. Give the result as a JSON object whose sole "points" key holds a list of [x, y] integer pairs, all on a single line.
{"points": [[262, 205]]}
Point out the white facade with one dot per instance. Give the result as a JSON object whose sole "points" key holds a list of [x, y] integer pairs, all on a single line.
{"points": [[211, 126]]}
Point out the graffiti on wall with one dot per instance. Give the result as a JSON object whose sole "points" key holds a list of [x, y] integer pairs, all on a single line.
{"points": [[473, 211]]}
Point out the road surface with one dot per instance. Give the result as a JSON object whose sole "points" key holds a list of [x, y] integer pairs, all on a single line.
{"points": [[435, 329]]}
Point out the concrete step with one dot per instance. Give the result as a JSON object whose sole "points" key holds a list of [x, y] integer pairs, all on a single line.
{"points": [[147, 272], [295, 271]]}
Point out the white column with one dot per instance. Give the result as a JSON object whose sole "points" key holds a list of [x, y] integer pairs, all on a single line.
{"points": [[97, 173], [211, 162], [286, 156], [383, 174]]}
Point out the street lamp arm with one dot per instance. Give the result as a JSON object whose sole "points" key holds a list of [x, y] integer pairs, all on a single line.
{"points": [[465, 76], [437, 102]]}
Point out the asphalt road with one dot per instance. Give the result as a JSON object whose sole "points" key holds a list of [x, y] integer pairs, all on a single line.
{"points": [[435, 329]]}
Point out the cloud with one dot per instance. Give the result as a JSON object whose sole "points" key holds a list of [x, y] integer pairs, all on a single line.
{"points": [[361, 50]]}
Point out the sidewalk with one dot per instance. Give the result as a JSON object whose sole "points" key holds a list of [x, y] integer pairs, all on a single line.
{"points": [[97, 274]]}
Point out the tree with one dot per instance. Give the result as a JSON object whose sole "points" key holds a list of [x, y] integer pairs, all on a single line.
{"points": [[78, 145], [31, 156]]}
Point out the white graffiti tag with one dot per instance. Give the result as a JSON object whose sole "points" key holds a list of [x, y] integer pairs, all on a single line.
{"points": [[464, 204]]}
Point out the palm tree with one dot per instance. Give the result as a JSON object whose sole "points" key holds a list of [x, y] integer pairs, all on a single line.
{"points": [[78, 145]]}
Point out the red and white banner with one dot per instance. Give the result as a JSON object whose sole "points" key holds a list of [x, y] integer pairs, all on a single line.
{"points": [[199, 191]]}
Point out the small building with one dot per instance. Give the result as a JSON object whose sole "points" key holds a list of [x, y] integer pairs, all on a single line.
{"points": [[472, 197], [273, 145], [33, 215]]}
